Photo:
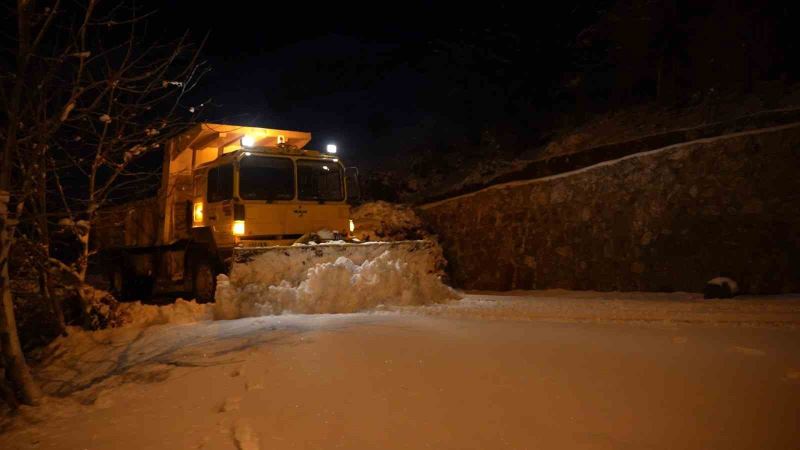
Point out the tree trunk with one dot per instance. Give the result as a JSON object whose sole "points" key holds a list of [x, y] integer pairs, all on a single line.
{"points": [[85, 293], [16, 369], [83, 235], [55, 303], [44, 237]]}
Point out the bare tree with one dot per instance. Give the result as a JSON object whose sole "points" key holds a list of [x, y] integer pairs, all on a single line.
{"points": [[135, 106], [29, 38], [91, 95]]}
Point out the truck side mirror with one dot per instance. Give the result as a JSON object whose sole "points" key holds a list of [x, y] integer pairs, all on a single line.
{"points": [[353, 188]]}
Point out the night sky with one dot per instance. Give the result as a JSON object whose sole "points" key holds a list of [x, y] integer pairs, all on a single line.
{"points": [[381, 80], [371, 78]]}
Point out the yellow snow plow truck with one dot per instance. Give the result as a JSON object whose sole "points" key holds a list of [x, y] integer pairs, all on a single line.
{"points": [[231, 194]]}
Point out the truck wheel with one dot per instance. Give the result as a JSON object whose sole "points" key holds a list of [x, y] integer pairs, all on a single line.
{"points": [[204, 282]]}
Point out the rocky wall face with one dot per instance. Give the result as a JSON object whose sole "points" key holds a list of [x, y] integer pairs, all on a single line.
{"points": [[665, 220]]}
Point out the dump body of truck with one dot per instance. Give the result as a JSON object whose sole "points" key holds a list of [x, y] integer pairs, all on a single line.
{"points": [[223, 187]]}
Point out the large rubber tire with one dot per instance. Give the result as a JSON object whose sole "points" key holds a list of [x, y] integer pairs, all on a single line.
{"points": [[204, 281]]}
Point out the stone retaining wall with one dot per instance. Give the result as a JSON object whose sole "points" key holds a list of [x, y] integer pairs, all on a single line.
{"points": [[664, 220]]}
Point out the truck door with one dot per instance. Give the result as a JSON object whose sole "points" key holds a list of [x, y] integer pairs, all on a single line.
{"points": [[219, 208]]}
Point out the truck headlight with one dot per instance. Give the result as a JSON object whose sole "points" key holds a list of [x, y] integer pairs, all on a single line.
{"points": [[198, 212], [238, 227], [352, 226]]}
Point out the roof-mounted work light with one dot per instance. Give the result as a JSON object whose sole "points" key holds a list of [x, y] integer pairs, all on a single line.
{"points": [[248, 141]]}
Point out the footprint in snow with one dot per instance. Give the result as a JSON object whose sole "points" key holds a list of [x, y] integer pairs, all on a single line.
{"points": [[253, 385], [231, 404], [244, 436]]}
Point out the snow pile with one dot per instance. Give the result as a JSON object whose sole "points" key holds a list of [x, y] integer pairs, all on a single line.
{"points": [[182, 311], [104, 311], [333, 279], [383, 221], [101, 309]]}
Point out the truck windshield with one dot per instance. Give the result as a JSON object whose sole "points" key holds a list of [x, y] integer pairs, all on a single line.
{"points": [[266, 178], [319, 180]]}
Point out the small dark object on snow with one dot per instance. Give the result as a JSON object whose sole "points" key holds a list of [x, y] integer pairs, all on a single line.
{"points": [[720, 287]]}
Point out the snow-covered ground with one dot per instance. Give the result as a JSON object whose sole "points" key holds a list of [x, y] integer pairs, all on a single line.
{"points": [[550, 369]]}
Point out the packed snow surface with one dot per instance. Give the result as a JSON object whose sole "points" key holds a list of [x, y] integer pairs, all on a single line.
{"points": [[332, 278], [552, 369]]}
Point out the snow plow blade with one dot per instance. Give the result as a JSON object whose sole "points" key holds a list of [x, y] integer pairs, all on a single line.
{"points": [[330, 277]]}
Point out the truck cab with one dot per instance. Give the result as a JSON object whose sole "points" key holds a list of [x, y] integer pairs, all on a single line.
{"points": [[268, 196]]}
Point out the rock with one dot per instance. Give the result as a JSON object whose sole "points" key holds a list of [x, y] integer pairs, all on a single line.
{"points": [[564, 251], [720, 287]]}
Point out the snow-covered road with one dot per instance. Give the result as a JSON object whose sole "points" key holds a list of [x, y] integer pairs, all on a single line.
{"points": [[551, 369]]}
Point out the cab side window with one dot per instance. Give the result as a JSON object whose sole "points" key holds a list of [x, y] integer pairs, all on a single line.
{"points": [[220, 183]]}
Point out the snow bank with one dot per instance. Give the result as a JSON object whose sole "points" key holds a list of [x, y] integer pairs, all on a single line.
{"points": [[382, 221], [330, 278], [182, 311]]}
